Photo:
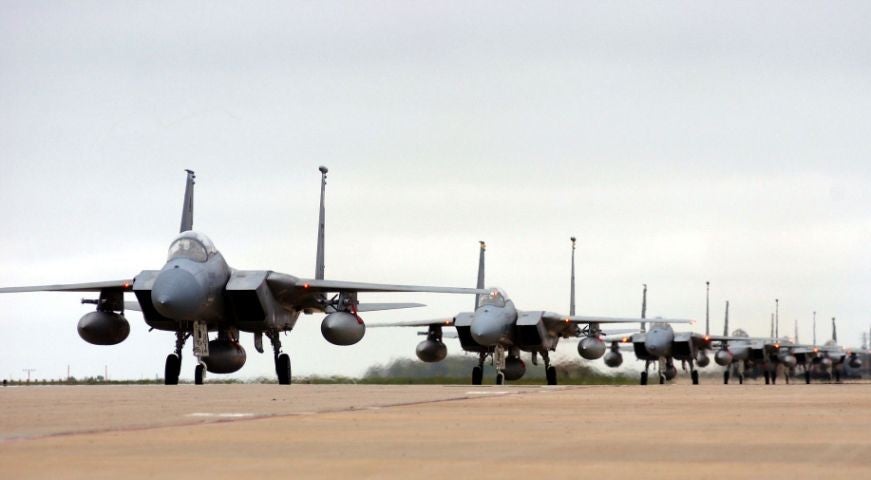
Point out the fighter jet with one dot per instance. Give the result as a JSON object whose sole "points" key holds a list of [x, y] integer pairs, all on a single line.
{"points": [[831, 359], [739, 352], [662, 345], [498, 330], [197, 292]]}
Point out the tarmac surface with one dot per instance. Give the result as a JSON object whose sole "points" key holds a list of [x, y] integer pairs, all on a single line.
{"points": [[338, 431]]}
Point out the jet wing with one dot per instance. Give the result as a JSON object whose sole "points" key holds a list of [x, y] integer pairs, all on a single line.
{"points": [[125, 285], [445, 322], [308, 285], [627, 338], [551, 316], [378, 307]]}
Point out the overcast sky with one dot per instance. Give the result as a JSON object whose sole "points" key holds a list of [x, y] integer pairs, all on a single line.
{"points": [[679, 141]]}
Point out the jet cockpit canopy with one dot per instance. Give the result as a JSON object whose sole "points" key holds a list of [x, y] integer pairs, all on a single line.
{"points": [[496, 298], [192, 246]]}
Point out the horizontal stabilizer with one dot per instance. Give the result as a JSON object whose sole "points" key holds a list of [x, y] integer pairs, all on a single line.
{"points": [[376, 307]]}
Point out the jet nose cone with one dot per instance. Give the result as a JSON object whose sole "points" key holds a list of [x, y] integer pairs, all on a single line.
{"points": [[177, 294], [486, 330]]}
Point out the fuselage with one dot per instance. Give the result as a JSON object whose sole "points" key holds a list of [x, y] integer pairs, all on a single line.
{"points": [[190, 286], [494, 319]]}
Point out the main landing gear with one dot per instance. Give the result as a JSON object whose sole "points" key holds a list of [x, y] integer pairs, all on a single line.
{"points": [[172, 368], [549, 370], [647, 367], [282, 360], [738, 372], [478, 371]]}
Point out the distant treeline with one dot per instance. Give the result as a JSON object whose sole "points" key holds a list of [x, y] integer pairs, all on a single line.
{"points": [[455, 369]]}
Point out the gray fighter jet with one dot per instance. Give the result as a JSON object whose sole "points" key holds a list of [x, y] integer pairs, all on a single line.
{"points": [[196, 292], [662, 345], [498, 330], [739, 352], [831, 359]]}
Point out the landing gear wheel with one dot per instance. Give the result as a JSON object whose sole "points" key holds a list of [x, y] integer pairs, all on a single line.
{"points": [[644, 378], [550, 373], [695, 376], [199, 374], [837, 376], [172, 369], [500, 378], [740, 379], [662, 379], [477, 375], [726, 377], [282, 368], [807, 377], [767, 377]]}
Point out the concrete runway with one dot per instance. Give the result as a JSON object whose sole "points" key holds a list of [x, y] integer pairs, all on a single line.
{"points": [[337, 431]]}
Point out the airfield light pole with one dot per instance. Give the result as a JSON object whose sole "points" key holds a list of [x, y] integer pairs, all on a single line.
{"points": [[776, 318], [644, 307], [29, 371], [707, 308], [319, 268], [815, 327], [572, 300]]}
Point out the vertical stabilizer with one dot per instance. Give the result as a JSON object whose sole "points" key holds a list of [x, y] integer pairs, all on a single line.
{"points": [[834, 331], [187, 209], [726, 322], [480, 283], [644, 307], [707, 308], [319, 259], [572, 294]]}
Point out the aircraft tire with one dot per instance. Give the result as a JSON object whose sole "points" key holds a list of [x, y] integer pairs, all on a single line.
{"points": [[500, 378], [477, 375], [662, 379], [695, 376], [282, 368], [172, 369], [837, 376], [740, 379], [767, 377], [199, 374], [807, 377], [726, 377], [644, 378], [550, 373]]}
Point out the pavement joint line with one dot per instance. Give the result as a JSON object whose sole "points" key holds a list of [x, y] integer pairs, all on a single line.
{"points": [[219, 420]]}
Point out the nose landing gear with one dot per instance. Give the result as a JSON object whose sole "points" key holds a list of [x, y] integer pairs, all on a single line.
{"points": [[172, 368]]}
